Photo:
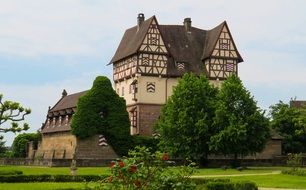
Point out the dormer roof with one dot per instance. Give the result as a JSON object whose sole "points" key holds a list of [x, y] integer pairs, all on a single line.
{"points": [[192, 46]]}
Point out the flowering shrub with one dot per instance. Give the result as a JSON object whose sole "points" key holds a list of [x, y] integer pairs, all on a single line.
{"points": [[145, 170]]}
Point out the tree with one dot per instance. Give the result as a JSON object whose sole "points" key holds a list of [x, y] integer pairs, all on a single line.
{"points": [[20, 143], [3, 149], [12, 112], [241, 127], [102, 111], [291, 124], [186, 119]]}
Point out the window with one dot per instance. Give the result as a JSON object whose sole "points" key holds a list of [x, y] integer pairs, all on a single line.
{"points": [[118, 91], [133, 117], [133, 87]]}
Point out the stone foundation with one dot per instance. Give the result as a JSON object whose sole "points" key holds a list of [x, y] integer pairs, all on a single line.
{"points": [[89, 148], [64, 145], [147, 115]]}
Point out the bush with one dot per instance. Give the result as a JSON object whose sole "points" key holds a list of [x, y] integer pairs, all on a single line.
{"points": [[216, 184], [201, 181], [245, 186], [11, 172], [20, 143], [102, 111], [146, 170], [49, 178], [297, 172], [148, 142]]}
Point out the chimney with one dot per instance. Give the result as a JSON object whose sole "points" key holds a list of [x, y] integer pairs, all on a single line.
{"points": [[187, 24], [140, 20], [64, 93]]}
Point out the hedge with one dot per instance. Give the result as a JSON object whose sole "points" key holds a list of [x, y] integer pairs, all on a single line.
{"points": [[244, 185], [297, 172], [50, 178], [11, 172]]}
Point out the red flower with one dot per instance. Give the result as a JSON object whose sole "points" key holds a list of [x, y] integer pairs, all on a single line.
{"points": [[110, 179], [112, 164], [121, 164], [133, 168], [165, 156]]}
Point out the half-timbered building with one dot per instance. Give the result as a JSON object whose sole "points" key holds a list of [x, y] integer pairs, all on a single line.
{"points": [[152, 57]]}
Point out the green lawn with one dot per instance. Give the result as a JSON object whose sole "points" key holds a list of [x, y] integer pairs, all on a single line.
{"points": [[275, 180]]}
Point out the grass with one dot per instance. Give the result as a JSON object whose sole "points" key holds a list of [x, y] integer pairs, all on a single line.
{"points": [[275, 180], [39, 186], [35, 170]]}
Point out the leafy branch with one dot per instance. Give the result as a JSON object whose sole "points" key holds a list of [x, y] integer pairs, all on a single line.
{"points": [[12, 112]]}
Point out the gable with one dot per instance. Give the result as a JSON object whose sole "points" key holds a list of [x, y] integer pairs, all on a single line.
{"points": [[225, 46], [153, 41]]}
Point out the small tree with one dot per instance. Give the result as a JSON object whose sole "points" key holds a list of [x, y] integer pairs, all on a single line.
{"points": [[186, 119], [241, 128], [20, 143], [3, 148], [102, 111], [291, 124], [12, 112]]}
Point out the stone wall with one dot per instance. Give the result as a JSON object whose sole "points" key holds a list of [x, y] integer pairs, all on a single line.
{"points": [[89, 148], [273, 148], [60, 145], [148, 115]]}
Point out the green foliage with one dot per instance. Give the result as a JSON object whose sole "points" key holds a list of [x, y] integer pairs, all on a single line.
{"points": [[146, 170], [11, 172], [296, 172], [149, 142], [240, 127], [20, 143], [3, 148], [186, 120], [231, 186], [102, 111], [50, 178], [12, 112], [291, 124], [295, 162]]}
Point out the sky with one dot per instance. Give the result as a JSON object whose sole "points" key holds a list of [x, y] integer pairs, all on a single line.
{"points": [[47, 46]]}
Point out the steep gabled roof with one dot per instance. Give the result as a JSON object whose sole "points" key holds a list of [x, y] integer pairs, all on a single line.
{"points": [[69, 101], [211, 40], [132, 40], [184, 47], [190, 47]]}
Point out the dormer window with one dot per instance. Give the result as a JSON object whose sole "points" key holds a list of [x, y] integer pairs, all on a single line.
{"points": [[180, 66]]}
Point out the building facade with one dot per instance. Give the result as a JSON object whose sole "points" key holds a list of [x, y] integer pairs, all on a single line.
{"points": [[59, 143], [152, 57]]}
